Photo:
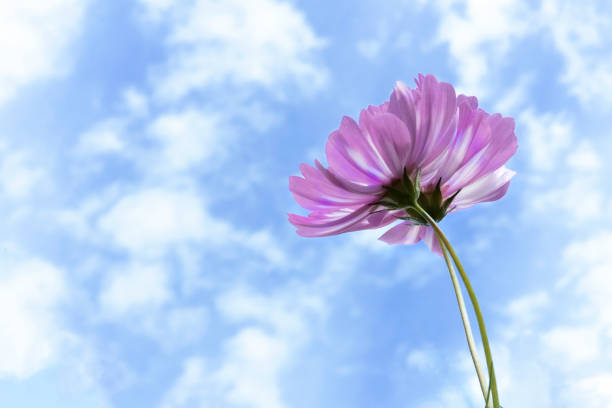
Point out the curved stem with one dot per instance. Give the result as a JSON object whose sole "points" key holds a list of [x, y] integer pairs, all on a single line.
{"points": [[475, 305], [466, 321]]}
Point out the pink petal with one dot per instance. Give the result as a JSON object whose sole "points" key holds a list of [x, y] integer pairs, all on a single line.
{"points": [[429, 114], [374, 110], [403, 105], [391, 139], [347, 184], [312, 197], [317, 192], [437, 124], [319, 182], [324, 224], [490, 187], [470, 101], [429, 237], [404, 233], [471, 138], [351, 156], [501, 146]]}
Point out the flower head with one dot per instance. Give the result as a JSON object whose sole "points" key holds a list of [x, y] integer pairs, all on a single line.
{"points": [[425, 145]]}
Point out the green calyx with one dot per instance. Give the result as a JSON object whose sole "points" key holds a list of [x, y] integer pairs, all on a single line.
{"points": [[404, 194]]}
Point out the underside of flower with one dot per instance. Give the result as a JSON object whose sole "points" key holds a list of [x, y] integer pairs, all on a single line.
{"points": [[404, 194], [372, 178]]}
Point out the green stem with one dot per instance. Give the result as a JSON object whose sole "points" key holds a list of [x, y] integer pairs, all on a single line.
{"points": [[466, 321], [475, 305]]}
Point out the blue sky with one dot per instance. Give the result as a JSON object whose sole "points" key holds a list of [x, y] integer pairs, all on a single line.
{"points": [[146, 259]]}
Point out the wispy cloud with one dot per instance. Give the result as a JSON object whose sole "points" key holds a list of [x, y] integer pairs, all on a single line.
{"points": [[31, 333], [36, 41], [258, 43]]}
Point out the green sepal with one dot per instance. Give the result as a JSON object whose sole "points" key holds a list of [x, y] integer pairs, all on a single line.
{"points": [[436, 195], [406, 182], [449, 200], [395, 195]]}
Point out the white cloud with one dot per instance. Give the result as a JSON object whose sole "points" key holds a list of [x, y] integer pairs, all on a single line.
{"points": [[423, 359], [18, 173], [370, 48], [264, 243], [31, 336], [522, 377], [572, 345], [106, 136], [562, 167], [523, 313], [191, 388], [79, 219], [479, 33], [36, 36], [137, 289], [368, 240], [590, 207], [247, 377], [272, 329], [447, 397], [151, 220], [264, 43], [177, 326], [582, 349], [515, 95], [140, 297], [591, 392], [252, 370], [547, 137], [281, 313], [589, 265], [590, 251], [135, 102], [256, 355], [584, 158], [581, 33], [189, 138]]}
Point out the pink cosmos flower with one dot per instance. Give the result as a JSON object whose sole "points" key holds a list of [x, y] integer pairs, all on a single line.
{"points": [[425, 141]]}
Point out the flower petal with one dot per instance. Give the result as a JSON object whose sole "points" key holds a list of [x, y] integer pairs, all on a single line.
{"points": [[323, 224], [429, 113], [429, 237], [382, 217], [316, 192], [490, 187], [403, 105], [501, 146], [470, 138], [391, 140], [436, 122], [404, 233], [374, 110], [350, 155], [347, 184]]}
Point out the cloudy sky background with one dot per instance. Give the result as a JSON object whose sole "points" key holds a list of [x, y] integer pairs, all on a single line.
{"points": [[145, 256]]}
